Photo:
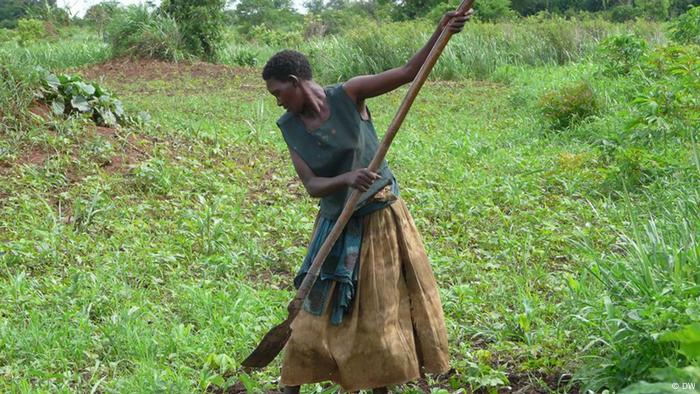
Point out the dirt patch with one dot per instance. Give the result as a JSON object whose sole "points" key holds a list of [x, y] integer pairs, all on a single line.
{"points": [[132, 149], [127, 69], [41, 110]]}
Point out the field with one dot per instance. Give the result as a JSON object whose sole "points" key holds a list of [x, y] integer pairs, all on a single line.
{"points": [[153, 257]]}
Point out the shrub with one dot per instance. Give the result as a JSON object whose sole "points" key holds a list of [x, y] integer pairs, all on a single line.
{"points": [[138, 32], [669, 96], [30, 30], [569, 105], [624, 13], [201, 23], [7, 35], [277, 38], [654, 9], [686, 28], [620, 53]]}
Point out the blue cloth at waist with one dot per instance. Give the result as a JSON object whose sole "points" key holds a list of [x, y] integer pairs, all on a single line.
{"points": [[341, 265]]}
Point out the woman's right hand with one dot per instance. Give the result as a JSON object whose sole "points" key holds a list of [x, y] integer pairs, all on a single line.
{"points": [[361, 179]]}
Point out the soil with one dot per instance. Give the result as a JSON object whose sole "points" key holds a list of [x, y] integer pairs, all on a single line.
{"points": [[126, 69]]}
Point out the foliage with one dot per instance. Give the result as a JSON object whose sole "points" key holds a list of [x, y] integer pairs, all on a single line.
{"points": [[274, 15], [101, 14], [69, 95], [624, 12], [200, 22], [21, 69], [276, 38], [650, 288], [139, 32], [490, 10], [654, 9], [668, 103], [30, 30], [620, 53], [477, 52], [686, 28], [567, 106], [7, 35], [13, 10]]}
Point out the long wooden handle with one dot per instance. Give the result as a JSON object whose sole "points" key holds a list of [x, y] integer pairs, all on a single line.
{"points": [[379, 156]]}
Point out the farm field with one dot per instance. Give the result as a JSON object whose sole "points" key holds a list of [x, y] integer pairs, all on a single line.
{"points": [[153, 256]]}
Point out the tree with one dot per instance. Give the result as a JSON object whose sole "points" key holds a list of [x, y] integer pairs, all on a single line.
{"points": [[12, 10], [271, 14], [100, 14]]}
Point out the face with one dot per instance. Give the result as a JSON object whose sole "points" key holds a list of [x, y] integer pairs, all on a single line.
{"points": [[287, 93]]}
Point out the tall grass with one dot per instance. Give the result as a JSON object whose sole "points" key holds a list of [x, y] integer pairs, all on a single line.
{"points": [[141, 33], [477, 52], [626, 299]]}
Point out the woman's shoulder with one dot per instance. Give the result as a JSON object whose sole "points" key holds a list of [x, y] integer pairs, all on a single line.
{"points": [[285, 120], [339, 95]]}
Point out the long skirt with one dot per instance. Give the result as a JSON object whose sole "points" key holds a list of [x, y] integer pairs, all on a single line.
{"points": [[395, 329]]}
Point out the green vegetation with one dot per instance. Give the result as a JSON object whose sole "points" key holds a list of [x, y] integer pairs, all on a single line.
{"points": [[552, 166]]}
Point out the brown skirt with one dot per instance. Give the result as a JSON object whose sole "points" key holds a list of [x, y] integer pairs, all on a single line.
{"points": [[395, 329]]}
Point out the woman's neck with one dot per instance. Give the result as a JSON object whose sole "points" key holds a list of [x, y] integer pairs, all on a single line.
{"points": [[316, 105]]}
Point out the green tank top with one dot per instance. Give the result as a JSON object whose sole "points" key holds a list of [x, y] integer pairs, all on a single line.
{"points": [[343, 143]]}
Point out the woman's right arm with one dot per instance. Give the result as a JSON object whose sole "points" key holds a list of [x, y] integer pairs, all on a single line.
{"points": [[317, 186]]}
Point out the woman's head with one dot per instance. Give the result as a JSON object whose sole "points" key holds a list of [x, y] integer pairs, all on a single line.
{"points": [[284, 74]]}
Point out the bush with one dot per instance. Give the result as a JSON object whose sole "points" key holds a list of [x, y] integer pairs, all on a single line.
{"points": [[30, 30], [669, 95], [686, 28], [569, 105], [138, 32], [654, 9], [620, 53], [624, 13], [201, 24], [7, 35], [277, 38]]}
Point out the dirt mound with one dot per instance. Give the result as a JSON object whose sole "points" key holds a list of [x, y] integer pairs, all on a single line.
{"points": [[142, 69]]}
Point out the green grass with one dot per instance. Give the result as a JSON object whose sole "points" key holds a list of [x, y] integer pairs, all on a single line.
{"points": [[162, 274]]}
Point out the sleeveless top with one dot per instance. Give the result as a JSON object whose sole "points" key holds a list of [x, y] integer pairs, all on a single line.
{"points": [[343, 143]]}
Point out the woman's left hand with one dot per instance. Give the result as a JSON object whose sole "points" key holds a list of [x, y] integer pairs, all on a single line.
{"points": [[455, 21]]}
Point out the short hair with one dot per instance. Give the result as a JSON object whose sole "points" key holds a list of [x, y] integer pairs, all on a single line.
{"points": [[285, 63]]}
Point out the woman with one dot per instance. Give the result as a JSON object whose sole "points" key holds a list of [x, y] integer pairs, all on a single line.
{"points": [[374, 316]]}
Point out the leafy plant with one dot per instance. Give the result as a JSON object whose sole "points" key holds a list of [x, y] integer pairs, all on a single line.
{"points": [[686, 28], [569, 105], [7, 35], [69, 95], [475, 372], [30, 30], [669, 99], [620, 53]]}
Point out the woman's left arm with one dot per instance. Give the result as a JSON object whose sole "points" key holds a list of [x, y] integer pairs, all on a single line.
{"points": [[366, 86]]}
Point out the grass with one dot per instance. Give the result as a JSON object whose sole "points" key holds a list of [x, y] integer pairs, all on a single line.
{"points": [[161, 274]]}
